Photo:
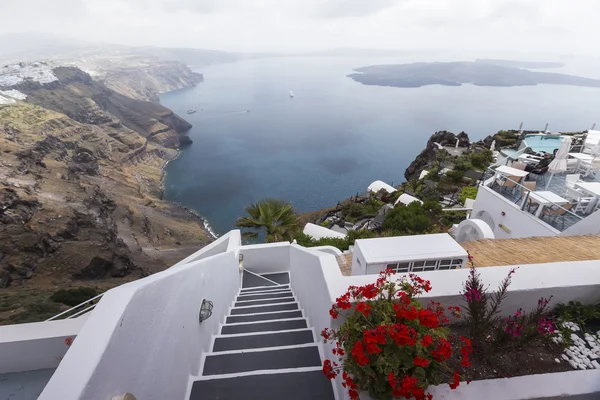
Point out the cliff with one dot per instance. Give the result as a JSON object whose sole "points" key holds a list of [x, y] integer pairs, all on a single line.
{"points": [[428, 156], [81, 192], [84, 100], [148, 81]]}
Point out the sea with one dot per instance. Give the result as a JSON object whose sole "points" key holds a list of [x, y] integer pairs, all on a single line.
{"points": [[335, 136]]}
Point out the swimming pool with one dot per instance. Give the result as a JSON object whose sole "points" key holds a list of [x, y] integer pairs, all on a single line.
{"points": [[539, 143]]}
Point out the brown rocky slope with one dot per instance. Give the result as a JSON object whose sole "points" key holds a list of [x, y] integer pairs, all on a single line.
{"points": [[81, 193]]}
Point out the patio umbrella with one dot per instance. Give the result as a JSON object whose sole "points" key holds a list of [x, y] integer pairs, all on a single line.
{"points": [[493, 146], [559, 164]]}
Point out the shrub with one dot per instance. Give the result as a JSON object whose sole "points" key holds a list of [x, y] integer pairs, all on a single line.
{"points": [[74, 296], [487, 328], [413, 219], [339, 243], [468, 192], [390, 345]]}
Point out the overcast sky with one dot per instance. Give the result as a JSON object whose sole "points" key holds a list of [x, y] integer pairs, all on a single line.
{"points": [[505, 26]]}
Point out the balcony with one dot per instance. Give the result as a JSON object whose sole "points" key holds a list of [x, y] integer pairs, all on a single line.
{"points": [[559, 201]]}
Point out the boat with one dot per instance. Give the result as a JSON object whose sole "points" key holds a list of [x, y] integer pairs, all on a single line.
{"points": [[191, 111], [291, 94]]}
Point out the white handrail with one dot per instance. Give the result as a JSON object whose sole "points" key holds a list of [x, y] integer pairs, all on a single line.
{"points": [[77, 306], [82, 311]]}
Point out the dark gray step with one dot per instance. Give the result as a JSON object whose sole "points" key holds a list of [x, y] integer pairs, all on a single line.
{"points": [[281, 278], [250, 280], [261, 360], [263, 309], [266, 340], [264, 327], [265, 296], [261, 302], [310, 385], [263, 317], [264, 289]]}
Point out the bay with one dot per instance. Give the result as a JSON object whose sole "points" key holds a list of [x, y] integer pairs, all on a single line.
{"points": [[335, 136]]}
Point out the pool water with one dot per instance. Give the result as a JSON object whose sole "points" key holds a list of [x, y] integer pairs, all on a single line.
{"points": [[542, 143]]}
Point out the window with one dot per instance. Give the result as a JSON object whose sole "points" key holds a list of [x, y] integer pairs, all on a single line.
{"points": [[403, 267], [358, 262], [450, 264], [392, 266]]}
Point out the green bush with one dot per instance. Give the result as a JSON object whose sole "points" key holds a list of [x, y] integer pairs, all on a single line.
{"points": [[468, 192], [413, 219], [339, 243], [74, 296]]}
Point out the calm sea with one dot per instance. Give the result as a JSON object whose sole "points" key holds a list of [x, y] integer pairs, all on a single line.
{"points": [[335, 136]]}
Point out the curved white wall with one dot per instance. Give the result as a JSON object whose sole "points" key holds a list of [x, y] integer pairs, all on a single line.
{"points": [[144, 337]]}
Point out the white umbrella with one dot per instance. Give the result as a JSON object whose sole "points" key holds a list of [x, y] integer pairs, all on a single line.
{"points": [[493, 146], [559, 164]]}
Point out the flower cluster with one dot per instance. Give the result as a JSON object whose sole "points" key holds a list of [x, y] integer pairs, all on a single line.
{"points": [[385, 325]]}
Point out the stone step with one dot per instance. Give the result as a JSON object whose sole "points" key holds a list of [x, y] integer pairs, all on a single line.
{"points": [[263, 296], [276, 300], [307, 385], [264, 289], [263, 317], [263, 309], [224, 343], [270, 326], [244, 361]]}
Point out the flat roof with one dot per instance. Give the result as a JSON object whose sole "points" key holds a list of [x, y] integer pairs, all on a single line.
{"points": [[533, 250], [409, 248]]}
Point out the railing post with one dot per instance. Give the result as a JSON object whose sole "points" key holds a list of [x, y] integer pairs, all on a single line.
{"points": [[525, 200]]}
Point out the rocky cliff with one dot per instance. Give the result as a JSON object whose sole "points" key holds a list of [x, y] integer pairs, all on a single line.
{"points": [[153, 78], [81, 192], [428, 156]]}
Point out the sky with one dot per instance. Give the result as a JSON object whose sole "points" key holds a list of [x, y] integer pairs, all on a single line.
{"points": [[557, 27]]}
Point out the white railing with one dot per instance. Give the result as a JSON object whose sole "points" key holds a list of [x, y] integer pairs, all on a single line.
{"points": [[80, 312]]}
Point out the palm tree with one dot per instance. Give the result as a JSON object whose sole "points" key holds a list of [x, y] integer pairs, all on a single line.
{"points": [[276, 217]]}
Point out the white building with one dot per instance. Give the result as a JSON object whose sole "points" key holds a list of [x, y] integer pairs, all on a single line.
{"points": [[512, 204], [407, 254], [232, 322], [406, 199], [318, 232], [378, 185]]}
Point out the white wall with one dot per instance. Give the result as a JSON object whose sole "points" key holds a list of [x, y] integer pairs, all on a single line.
{"points": [[310, 275], [144, 337], [566, 281], [328, 249], [39, 345], [519, 222], [359, 264], [266, 258], [227, 242], [590, 225]]}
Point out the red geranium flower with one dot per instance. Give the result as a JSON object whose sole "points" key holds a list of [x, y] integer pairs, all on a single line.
{"points": [[426, 341], [428, 319], [421, 362], [455, 381]]}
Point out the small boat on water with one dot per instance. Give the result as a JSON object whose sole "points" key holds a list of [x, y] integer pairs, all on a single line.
{"points": [[291, 94], [191, 111]]}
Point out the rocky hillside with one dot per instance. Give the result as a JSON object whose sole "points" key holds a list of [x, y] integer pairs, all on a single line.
{"points": [[81, 192], [428, 155], [146, 82]]}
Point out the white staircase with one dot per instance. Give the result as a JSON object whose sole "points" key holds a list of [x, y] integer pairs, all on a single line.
{"points": [[266, 350]]}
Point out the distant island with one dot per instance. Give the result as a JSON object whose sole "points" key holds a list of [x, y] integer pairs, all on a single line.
{"points": [[457, 73], [520, 64]]}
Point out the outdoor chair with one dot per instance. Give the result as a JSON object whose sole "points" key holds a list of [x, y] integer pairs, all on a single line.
{"points": [[509, 182], [529, 187], [571, 179], [572, 194], [518, 165], [583, 204], [557, 212]]}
